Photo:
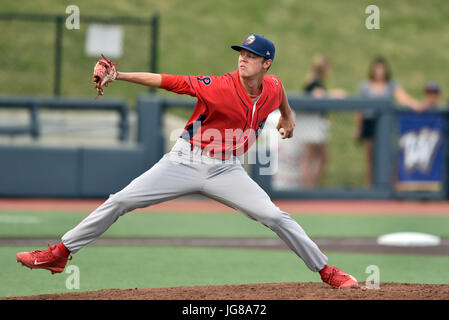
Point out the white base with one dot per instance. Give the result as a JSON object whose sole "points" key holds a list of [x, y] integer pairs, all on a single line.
{"points": [[409, 239]]}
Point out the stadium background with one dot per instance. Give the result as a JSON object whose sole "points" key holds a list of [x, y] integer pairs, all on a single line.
{"points": [[194, 39]]}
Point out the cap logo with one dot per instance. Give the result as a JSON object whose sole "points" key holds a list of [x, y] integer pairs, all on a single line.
{"points": [[250, 39], [268, 53]]}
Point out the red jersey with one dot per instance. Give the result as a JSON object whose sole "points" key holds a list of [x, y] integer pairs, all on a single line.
{"points": [[225, 118]]}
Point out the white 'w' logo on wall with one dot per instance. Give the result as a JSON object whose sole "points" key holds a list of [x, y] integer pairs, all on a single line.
{"points": [[419, 148]]}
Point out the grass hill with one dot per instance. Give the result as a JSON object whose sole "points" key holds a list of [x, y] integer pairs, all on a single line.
{"points": [[195, 36]]}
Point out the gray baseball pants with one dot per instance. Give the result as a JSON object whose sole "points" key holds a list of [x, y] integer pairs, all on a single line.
{"points": [[184, 171]]}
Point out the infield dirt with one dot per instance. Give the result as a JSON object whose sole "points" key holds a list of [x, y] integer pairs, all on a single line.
{"points": [[262, 291]]}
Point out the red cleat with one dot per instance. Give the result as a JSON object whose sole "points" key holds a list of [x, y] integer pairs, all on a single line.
{"points": [[337, 278], [44, 259]]}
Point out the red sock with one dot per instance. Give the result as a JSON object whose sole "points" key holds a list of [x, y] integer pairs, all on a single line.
{"points": [[61, 250]]}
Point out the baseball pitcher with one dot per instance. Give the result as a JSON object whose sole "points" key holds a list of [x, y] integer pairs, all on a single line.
{"points": [[229, 114]]}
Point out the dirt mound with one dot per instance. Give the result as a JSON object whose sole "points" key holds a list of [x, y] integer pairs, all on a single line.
{"points": [[263, 291]]}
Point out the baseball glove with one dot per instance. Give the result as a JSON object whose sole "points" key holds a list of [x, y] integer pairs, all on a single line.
{"points": [[105, 71]]}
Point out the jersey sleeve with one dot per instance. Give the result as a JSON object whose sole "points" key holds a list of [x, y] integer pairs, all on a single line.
{"points": [[177, 84], [278, 88], [204, 86], [196, 86]]}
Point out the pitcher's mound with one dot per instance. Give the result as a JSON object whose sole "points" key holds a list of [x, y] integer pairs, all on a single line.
{"points": [[262, 291]]}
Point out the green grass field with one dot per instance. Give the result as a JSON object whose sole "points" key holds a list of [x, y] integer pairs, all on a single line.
{"points": [[54, 224], [146, 267]]}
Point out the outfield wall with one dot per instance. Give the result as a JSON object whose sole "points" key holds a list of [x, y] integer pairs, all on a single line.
{"points": [[35, 170]]}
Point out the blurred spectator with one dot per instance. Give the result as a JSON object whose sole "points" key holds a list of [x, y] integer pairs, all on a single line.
{"points": [[316, 79], [433, 96], [313, 128], [379, 85]]}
